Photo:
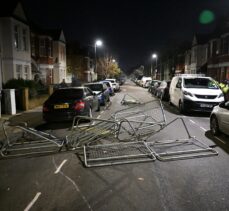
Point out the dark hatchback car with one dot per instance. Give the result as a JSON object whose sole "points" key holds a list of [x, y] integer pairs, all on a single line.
{"points": [[101, 90], [66, 103]]}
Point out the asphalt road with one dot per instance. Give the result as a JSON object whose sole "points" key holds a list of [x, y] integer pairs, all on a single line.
{"points": [[61, 182]]}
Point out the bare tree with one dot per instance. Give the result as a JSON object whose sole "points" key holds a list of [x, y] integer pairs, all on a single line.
{"points": [[107, 67]]}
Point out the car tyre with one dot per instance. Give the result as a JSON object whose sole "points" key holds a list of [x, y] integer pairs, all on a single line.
{"points": [[181, 108], [162, 97], [214, 126], [90, 113]]}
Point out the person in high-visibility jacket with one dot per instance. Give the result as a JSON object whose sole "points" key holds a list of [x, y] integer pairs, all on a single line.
{"points": [[224, 86]]}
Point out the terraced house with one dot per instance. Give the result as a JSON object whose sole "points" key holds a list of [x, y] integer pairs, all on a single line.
{"points": [[28, 51]]}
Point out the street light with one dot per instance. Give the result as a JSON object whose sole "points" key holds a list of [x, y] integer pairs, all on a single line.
{"points": [[154, 56], [97, 43]]}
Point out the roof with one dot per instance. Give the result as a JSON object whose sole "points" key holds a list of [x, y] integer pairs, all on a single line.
{"points": [[15, 9]]}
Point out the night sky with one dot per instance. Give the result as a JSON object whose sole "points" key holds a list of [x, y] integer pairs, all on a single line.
{"points": [[131, 31]]}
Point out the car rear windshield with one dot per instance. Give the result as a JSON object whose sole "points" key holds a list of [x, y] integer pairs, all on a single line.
{"points": [[95, 87], [67, 94], [204, 83]]}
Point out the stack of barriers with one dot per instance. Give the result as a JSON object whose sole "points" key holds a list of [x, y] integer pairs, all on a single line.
{"points": [[129, 137]]}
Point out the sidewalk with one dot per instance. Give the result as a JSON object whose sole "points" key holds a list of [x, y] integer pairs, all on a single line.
{"points": [[29, 117]]}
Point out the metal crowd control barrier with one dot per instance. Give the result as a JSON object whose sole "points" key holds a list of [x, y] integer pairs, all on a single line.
{"points": [[145, 119], [129, 100], [150, 150], [176, 149], [117, 153], [95, 132], [21, 140]]}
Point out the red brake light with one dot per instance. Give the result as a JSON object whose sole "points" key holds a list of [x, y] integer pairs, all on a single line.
{"points": [[78, 105]]}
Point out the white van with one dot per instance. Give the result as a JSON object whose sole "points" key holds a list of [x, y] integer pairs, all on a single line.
{"points": [[193, 92]]}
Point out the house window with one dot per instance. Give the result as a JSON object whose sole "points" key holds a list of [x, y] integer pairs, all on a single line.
{"points": [[33, 46], [26, 72], [50, 48], [16, 37], [225, 45], [24, 39], [18, 71], [42, 47], [214, 48], [62, 53]]}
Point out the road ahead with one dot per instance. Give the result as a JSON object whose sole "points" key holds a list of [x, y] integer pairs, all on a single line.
{"points": [[61, 182]]}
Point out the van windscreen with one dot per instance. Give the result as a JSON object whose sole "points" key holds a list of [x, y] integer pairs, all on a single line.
{"points": [[204, 83]]}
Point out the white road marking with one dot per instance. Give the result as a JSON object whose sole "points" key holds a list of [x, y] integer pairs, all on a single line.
{"points": [[74, 185], [203, 129], [98, 117], [101, 112], [32, 202], [192, 121], [220, 140], [60, 166]]}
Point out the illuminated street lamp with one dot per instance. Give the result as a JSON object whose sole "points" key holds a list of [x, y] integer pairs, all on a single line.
{"points": [[154, 56], [113, 60], [97, 43]]}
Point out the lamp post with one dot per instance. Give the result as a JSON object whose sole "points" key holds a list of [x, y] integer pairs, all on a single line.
{"points": [[97, 43], [154, 56]]}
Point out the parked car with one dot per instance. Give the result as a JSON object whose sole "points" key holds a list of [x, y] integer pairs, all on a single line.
{"points": [[193, 92], [114, 83], [163, 90], [154, 87], [152, 84], [143, 81], [147, 83], [110, 87], [66, 103], [101, 90], [219, 119]]}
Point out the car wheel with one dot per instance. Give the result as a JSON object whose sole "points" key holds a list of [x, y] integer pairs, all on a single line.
{"points": [[181, 108], [214, 125], [162, 97], [98, 109], [90, 113]]}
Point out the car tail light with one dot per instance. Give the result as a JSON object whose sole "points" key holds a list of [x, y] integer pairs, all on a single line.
{"points": [[78, 105]]}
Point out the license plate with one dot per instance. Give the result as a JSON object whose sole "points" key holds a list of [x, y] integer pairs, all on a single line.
{"points": [[205, 106], [59, 106]]}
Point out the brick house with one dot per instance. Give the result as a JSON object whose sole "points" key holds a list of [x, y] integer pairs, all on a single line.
{"points": [[48, 53]]}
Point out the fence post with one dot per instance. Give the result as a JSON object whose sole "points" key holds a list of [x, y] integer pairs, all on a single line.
{"points": [[10, 102], [50, 89], [25, 99]]}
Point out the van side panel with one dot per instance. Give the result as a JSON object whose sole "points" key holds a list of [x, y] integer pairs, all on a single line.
{"points": [[172, 90]]}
